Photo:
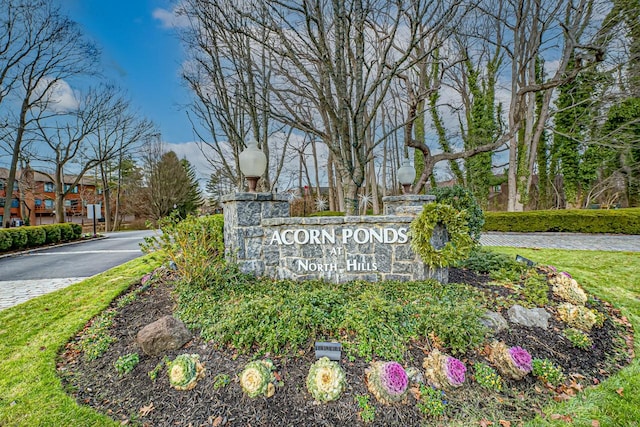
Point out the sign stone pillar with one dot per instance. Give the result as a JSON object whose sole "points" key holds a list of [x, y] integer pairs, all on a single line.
{"points": [[243, 233]]}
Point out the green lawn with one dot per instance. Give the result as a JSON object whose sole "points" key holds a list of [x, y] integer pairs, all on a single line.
{"points": [[32, 334]]}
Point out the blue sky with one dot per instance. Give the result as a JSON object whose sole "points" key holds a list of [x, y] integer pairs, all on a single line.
{"points": [[141, 55]]}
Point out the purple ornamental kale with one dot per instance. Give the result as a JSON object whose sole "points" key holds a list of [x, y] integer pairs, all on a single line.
{"points": [[394, 378], [521, 358], [455, 371], [566, 274]]}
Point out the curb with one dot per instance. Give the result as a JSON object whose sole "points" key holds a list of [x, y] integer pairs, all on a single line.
{"points": [[57, 245]]}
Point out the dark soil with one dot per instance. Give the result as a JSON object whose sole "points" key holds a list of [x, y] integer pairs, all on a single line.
{"points": [[136, 399]]}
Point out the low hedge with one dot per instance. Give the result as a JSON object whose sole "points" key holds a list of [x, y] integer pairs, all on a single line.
{"points": [[615, 221], [34, 236]]}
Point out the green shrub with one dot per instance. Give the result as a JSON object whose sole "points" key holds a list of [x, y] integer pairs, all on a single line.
{"points": [[194, 244], [66, 232], [53, 232], [370, 319], [622, 221], [578, 338], [126, 363], [36, 236], [76, 230], [535, 289], [19, 237], [497, 264], [5, 240], [463, 200], [432, 402]]}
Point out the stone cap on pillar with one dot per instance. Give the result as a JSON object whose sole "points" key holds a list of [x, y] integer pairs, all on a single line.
{"points": [[406, 204], [257, 197]]}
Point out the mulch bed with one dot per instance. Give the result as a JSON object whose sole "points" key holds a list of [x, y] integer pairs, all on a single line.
{"points": [[136, 399]]}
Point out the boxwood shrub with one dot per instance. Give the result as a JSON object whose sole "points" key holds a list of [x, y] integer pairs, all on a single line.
{"points": [[5, 240], [36, 236], [616, 221], [66, 232], [54, 234], [19, 237]]}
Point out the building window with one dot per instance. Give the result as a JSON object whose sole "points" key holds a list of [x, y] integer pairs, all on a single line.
{"points": [[67, 203], [73, 190], [48, 204], [1, 185], [38, 202], [497, 188], [48, 187], [15, 203]]}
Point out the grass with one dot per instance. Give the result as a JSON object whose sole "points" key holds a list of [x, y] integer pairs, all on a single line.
{"points": [[32, 334], [614, 277]]}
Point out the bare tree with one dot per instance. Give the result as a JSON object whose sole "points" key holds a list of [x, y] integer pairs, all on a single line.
{"points": [[118, 131], [41, 48], [330, 65], [67, 138], [229, 77], [528, 30]]}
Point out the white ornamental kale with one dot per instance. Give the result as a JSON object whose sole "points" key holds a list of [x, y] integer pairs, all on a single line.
{"points": [[326, 380], [185, 371], [257, 379]]}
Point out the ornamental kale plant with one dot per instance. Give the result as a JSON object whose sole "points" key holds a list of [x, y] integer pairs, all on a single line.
{"points": [[326, 380], [521, 358], [443, 371], [387, 381], [185, 371], [455, 371], [514, 362], [257, 379]]}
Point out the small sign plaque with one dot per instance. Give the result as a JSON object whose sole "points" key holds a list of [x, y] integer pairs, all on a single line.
{"points": [[332, 350], [525, 260]]}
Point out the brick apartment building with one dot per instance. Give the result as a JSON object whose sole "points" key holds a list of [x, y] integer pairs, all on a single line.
{"points": [[33, 200]]}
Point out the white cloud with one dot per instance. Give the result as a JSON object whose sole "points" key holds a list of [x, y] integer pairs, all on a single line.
{"points": [[169, 18], [58, 95]]}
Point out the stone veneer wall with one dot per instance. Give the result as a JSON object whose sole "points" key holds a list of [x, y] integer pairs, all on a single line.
{"points": [[262, 238]]}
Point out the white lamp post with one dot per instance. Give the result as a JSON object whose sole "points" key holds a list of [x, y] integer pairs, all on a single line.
{"points": [[406, 176], [253, 163]]}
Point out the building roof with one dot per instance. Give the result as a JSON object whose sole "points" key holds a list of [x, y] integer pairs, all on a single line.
{"points": [[43, 177]]}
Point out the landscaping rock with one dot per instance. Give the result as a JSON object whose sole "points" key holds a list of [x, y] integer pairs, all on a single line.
{"points": [[494, 321], [538, 317], [415, 375], [166, 333]]}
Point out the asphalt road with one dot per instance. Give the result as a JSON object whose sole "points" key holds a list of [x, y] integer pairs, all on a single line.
{"points": [[82, 259]]}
